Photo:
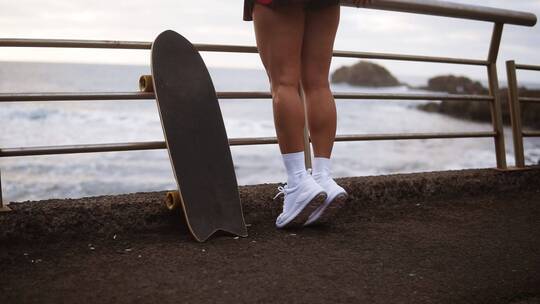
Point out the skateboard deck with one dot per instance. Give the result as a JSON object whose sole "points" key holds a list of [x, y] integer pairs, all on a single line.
{"points": [[196, 139]]}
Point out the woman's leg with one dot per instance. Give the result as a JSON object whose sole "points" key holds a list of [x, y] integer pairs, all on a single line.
{"points": [[279, 33], [319, 35]]}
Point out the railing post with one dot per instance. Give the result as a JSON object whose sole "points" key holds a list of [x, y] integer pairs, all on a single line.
{"points": [[2, 207], [515, 113], [307, 146], [496, 114]]}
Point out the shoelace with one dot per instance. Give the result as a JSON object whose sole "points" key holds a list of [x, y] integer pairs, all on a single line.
{"points": [[281, 191]]}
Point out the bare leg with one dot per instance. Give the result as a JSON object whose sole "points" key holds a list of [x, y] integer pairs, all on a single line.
{"points": [[319, 35], [279, 33]]}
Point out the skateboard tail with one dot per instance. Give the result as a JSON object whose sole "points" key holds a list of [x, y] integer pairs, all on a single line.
{"points": [[204, 237], [173, 201]]}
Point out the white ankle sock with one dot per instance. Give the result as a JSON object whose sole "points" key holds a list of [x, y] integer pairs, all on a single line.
{"points": [[321, 166], [296, 169]]}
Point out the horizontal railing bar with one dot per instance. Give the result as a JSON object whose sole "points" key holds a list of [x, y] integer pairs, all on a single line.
{"points": [[528, 67], [252, 141], [531, 133], [226, 48], [66, 149], [351, 54], [244, 95], [16, 97], [413, 96], [402, 57], [115, 44], [220, 48], [19, 97], [371, 137], [75, 43], [338, 95], [115, 147], [529, 99], [450, 9]]}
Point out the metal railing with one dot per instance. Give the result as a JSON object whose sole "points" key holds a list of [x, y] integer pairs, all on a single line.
{"points": [[498, 17], [514, 103]]}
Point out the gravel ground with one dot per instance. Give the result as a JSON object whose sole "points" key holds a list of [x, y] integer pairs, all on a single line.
{"points": [[469, 236]]}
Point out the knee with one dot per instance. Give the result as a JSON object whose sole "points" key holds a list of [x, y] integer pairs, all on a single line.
{"points": [[285, 85], [312, 83]]}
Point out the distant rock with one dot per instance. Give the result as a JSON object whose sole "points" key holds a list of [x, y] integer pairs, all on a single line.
{"points": [[455, 85], [477, 110], [365, 74]]}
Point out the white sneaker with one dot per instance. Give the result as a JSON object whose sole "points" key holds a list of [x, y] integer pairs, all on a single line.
{"points": [[299, 202], [336, 197]]}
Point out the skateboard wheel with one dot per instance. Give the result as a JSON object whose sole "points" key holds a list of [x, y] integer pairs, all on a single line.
{"points": [[146, 84], [172, 200]]}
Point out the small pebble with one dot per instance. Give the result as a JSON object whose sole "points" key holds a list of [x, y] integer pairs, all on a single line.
{"points": [[128, 249], [236, 238]]}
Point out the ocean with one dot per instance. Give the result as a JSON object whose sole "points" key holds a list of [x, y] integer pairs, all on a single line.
{"points": [[25, 124]]}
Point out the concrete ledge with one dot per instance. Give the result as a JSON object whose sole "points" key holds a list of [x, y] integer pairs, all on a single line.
{"points": [[145, 212]]}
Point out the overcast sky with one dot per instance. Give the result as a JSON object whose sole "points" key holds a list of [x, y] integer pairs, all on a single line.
{"points": [[220, 21]]}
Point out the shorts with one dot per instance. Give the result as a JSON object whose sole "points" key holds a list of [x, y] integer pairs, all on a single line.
{"points": [[310, 4]]}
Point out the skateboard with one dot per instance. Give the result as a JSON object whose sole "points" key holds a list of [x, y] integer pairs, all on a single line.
{"points": [[195, 137]]}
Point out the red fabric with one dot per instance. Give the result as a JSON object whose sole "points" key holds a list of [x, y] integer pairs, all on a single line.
{"points": [[264, 1]]}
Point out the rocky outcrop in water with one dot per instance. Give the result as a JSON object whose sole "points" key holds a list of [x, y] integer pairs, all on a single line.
{"points": [[365, 73], [478, 110], [455, 85]]}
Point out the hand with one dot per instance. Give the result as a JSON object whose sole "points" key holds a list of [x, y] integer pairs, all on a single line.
{"points": [[360, 3]]}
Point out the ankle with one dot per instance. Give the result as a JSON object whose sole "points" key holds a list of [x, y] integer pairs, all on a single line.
{"points": [[321, 176], [321, 168], [296, 178], [294, 165]]}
